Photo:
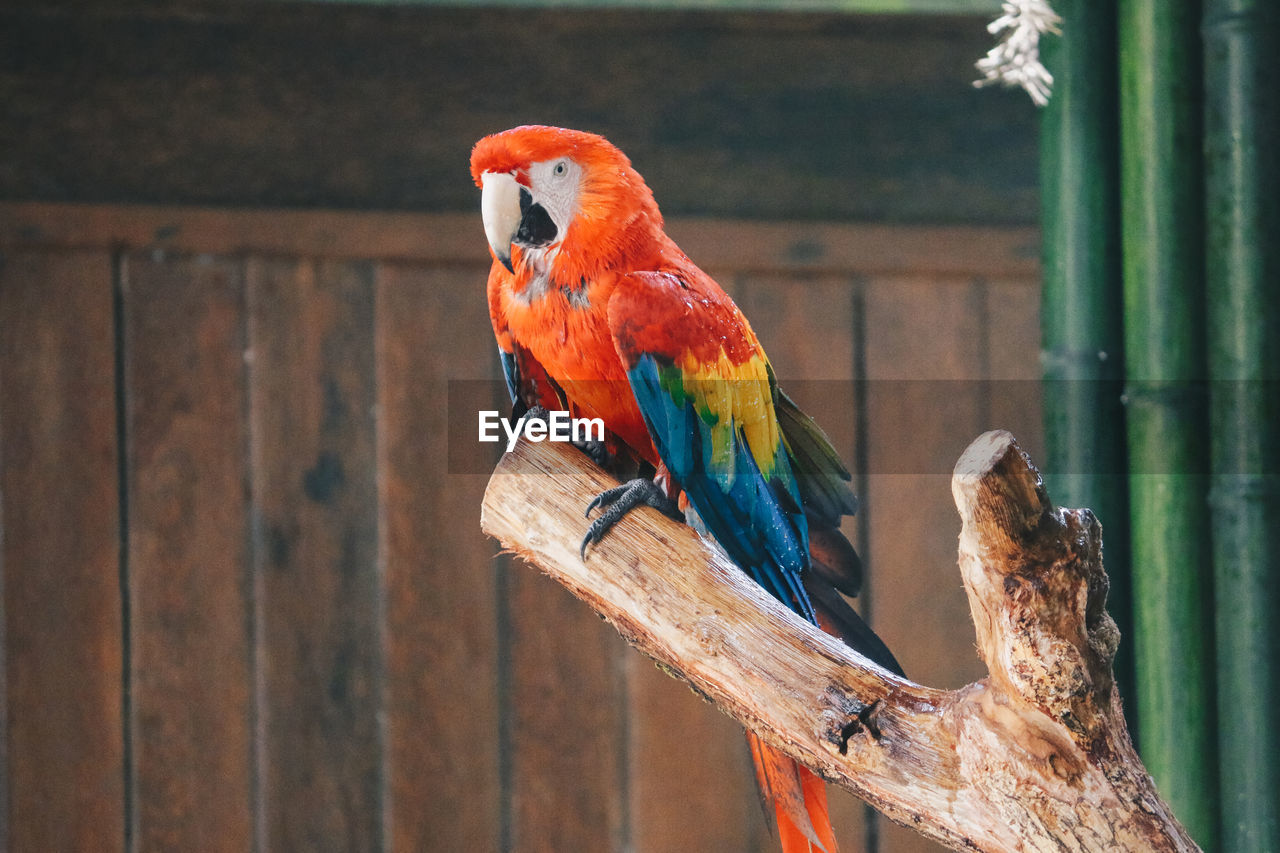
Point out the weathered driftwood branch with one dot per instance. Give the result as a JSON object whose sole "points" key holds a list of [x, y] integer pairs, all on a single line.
{"points": [[1034, 757]]}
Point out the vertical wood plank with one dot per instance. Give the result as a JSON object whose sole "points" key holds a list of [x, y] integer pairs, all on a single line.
{"points": [[316, 554], [806, 326], [1013, 317], [692, 786], [925, 351], [188, 575], [61, 552], [925, 357], [444, 703], [567, 704]]}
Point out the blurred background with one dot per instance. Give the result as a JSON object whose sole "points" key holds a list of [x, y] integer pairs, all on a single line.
{"points": [[243, 340]]}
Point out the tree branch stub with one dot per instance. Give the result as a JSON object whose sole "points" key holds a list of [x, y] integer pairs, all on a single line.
{"points": [[1035, 757]]}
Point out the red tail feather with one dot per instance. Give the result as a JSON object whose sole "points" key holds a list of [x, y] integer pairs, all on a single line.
{"points": [[797, 797]]}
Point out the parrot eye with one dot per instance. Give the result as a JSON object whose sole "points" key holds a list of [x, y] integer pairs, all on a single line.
{"points": [[560, 168]]}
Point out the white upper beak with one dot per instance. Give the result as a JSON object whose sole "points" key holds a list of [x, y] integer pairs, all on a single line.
{"points": [[500, 209]]}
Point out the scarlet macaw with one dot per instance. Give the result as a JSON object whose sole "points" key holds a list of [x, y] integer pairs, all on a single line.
{"points": [[597, 311]]}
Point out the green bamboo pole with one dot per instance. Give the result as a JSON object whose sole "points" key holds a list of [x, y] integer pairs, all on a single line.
{"points": [[1163, 263], [1242, 136], [1081, 297]]}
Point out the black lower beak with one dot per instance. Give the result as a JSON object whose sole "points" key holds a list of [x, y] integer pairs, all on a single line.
{"points": [[536, 225], [505, 258]]}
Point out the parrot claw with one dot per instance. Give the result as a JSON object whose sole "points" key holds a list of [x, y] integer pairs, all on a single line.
{"points": [[619, 501], [597, 452]]}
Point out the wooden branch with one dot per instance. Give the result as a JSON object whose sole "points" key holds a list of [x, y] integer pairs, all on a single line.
{"points": [[1034, 757]]}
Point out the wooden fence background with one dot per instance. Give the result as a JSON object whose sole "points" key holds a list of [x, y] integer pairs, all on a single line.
{"points": [[246, 601]]}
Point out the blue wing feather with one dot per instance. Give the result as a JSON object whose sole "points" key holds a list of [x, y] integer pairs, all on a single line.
{"points": [[510, 372], [757, 520]]}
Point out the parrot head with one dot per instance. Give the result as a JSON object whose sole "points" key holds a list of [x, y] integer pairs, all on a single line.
{"points": [[561, 203]]}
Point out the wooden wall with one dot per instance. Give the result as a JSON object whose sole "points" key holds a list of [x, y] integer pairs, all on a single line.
{"points": [[246, 602]]}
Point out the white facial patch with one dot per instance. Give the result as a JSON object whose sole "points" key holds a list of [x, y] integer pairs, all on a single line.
{"points": [[555, 186]]}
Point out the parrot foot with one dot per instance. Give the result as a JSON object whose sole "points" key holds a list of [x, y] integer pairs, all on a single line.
{"points": [[619, 501], [536, 413], [597, 451]]}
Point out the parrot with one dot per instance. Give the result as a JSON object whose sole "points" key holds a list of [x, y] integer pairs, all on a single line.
{"points": [[596, 311]]}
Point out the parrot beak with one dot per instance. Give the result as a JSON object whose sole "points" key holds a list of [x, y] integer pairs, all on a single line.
{"points": [[500, 209]]}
